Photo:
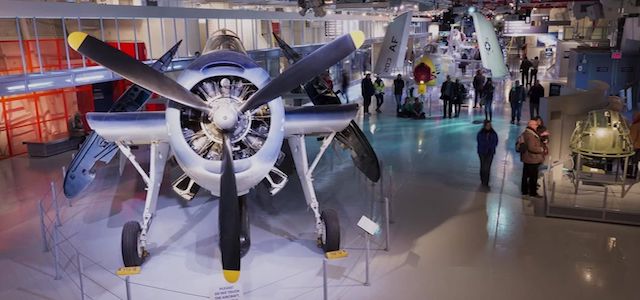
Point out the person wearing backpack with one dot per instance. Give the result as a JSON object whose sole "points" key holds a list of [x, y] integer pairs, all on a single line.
{"points": [[532, 153], [487, 141]]}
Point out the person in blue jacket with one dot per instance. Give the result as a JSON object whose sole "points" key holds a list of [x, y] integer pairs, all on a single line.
{"points": [[487, 142]]}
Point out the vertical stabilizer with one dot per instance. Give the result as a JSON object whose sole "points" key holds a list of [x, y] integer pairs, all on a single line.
{"points": [[490, 51], [394, 45]]}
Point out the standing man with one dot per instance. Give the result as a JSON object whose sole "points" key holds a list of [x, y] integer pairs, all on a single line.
{"points": [[535, 93], [525, 66], [459, 95], [446, 94], [534, 70], [345, 85], [378, 85], [478, 83], [532, 154], [516, 97], [487, 139], [367, 90], [487, 98], [398, 87]]}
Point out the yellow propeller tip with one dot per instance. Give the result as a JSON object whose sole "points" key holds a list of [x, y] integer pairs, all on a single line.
{"points": [[231, 276], [75, 39], [358, 38]]}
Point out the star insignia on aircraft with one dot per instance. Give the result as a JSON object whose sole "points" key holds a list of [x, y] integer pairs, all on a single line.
{"points": [[487, 46]]}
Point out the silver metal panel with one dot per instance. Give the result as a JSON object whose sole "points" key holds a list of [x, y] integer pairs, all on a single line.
{"points": [[13, 9], [15, 84], [130, 127], [318, 119]]}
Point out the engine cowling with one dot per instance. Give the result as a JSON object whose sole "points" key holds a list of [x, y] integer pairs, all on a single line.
{"points": [[224, 80]]}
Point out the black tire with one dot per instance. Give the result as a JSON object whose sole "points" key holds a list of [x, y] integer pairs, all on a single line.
{"points": [[130, 236], [331, 224]]}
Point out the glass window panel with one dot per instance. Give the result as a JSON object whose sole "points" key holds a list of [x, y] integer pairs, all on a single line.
{"points": [[10, 59], [51, 106], [22, 134], [53, 129], [21, 111]]}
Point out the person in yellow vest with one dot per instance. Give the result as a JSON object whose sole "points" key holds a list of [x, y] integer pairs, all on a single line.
{"points": [[378, 85]]}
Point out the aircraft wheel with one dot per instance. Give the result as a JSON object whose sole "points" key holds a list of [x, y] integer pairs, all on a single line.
{"points": [[132, 252], [330, 239]]}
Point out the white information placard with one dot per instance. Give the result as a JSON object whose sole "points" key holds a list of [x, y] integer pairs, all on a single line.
{"points": [[227, 292], [368, 225]]}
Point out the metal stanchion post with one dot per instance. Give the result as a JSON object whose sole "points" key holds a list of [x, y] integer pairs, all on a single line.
{"points": [[55, 203], [429, 104], [64, 173], [553, 191], [366, 281], [56, 256], [127, 287], [381, 181], [80, 276], [391, 194], [386, 224], [325, 292], [43, 227]]}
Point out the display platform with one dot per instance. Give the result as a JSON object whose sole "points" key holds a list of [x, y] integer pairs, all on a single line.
{"points": [[451, 239]]}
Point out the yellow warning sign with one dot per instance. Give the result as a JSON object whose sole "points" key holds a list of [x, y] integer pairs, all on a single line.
{"points": [[125, 271], [337, 254]]}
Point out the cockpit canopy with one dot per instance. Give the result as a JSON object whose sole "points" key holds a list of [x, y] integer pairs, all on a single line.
{"points": [[224, 39]]}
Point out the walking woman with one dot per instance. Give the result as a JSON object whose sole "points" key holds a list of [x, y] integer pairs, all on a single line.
{"points": [[487, 99], [487, 142]]}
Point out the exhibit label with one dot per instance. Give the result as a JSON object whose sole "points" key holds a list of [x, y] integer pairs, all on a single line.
{"points": [[228, 292]]}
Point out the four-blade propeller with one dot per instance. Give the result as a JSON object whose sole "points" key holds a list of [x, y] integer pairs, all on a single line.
{"points": [[148, 78]]}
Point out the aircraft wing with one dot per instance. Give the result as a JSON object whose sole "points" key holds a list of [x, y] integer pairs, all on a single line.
{"points": [[352, 137], [131, 128], [81, 170]]}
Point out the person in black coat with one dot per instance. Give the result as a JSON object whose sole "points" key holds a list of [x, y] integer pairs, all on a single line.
{"points": [[516, 97], [398, 87], [487, 141], [460, 93], [367, 91], [525, 66], [345, 85], [447, 92], [478, 83], [535, 93]]}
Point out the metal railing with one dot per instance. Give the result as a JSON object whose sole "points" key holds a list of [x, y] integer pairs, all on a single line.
{"points": [[68, 260]]}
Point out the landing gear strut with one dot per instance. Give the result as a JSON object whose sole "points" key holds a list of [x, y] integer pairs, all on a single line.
{"points": [[327, 222]]}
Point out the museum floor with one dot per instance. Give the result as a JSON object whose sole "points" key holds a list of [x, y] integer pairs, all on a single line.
{"points": [[450, 240]]}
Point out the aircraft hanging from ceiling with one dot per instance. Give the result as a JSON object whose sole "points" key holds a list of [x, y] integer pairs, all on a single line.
{"points": [[225, 124]]}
